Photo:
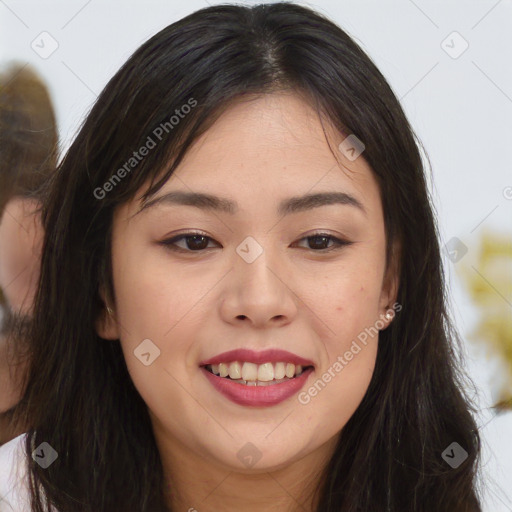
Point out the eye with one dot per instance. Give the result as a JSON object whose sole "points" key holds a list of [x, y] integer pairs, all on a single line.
{"points": [[198, 241], [194, 242], [321, 239]]}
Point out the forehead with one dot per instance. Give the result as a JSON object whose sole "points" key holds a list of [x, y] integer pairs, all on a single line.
{"points": [[269, 148], [269, 133]]}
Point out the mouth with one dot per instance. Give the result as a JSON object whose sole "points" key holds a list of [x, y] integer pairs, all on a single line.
{"points": [[255, 391], [258, 379]]}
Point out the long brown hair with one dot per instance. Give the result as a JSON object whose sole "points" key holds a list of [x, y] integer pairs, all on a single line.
{"points": [[80, 398]]}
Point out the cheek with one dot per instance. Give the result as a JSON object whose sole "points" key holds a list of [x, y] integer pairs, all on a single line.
{"points": [[356, 306], [348, 309], [340, 389], [157, 303], [148, 299], [351, 300], [152, 304], [349, 354]]}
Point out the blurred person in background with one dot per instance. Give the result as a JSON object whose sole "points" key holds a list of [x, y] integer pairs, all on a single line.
{"points": [[28, 147]]}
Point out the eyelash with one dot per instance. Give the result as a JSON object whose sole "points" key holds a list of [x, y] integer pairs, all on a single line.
{"points": [[170, 243]]}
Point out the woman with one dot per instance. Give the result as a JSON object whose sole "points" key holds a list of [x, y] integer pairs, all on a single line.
{"points": [[28, 138], [245, 202]]}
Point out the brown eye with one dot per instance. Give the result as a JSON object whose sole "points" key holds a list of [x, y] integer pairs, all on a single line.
{"points": [[193, 242], [319, 242]]}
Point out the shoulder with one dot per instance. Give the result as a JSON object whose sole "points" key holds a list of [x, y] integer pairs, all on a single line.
{"points": [[14, 495]]}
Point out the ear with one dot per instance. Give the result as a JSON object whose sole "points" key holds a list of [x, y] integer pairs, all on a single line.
{"points": [[106, 323], [390, 284]]}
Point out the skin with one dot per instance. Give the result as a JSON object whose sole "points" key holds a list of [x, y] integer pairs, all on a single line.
{"points": [[21, 237], [196, 304]]}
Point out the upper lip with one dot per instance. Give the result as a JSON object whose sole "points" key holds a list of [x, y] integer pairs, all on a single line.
{"points": [[272, 355]]}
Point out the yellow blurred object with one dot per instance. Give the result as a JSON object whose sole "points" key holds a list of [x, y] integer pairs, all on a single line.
{"points": [[489, 282]]}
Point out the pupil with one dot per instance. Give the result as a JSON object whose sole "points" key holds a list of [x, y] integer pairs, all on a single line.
{"points": [[195, 238], [317, 238]]}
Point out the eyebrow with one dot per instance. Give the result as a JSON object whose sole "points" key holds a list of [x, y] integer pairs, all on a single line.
{"points": [[296, 204]]}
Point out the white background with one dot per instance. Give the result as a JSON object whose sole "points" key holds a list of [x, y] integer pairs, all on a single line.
{"points": [[461, 108]]}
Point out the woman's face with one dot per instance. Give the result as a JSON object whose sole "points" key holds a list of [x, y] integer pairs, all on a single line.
{"points": [[21, 238], [252, 281]]}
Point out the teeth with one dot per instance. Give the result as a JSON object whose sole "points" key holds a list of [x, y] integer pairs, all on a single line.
{"points": [[235, 370], [265, 372], [279, 371], [250, 371], [223, 370], [260, 383], [253, 374]]}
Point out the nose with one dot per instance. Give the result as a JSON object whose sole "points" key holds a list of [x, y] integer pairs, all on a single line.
{"points": [[259, 293]]}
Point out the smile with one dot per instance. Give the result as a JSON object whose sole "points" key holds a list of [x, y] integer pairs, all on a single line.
{"points": [[255, 392]]}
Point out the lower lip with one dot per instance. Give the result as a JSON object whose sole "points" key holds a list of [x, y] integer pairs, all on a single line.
{"points": [[257, 396]]}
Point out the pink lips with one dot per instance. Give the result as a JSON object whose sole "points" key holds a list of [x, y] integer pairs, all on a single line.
{"points": [[250, 356], [257, 396]]}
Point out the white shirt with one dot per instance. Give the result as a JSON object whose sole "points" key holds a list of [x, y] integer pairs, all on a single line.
{"points": [[14, 495]]}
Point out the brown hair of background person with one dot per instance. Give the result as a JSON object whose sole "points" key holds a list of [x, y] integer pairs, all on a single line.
{"points": [[28, 133], [28, 154]]}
